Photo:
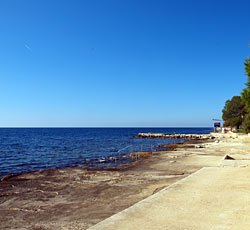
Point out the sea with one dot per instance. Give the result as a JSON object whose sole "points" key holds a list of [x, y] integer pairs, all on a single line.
{"points": [[25, 150]]}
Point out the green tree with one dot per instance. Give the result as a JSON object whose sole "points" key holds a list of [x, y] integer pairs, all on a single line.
{"points": [[245, 95], [246, 123], [233, 112]]}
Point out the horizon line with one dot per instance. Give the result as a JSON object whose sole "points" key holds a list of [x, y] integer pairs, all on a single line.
{"points": [[106, 127]]}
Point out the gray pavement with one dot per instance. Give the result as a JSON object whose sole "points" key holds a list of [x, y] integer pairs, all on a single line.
{"points": [[212, 198]]}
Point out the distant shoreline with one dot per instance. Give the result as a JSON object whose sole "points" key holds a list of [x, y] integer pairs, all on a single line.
{"points": [[106, 127]]}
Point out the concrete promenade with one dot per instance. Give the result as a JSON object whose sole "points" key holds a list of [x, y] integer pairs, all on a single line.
{"points": [[212, 198]]}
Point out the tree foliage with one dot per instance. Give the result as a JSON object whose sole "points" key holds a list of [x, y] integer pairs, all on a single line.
{"points": [[233, 112], [238, 108], [246, 124], [245, 95]]}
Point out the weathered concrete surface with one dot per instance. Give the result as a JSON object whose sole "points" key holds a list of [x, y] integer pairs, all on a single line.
{"points": [[211, 198]]}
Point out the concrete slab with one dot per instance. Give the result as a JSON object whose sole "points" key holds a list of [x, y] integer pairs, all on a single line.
{"points": [[212, 198], [235, 163]]}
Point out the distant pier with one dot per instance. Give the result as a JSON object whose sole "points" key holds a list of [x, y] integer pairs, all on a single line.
{"points": [[175, 136]]}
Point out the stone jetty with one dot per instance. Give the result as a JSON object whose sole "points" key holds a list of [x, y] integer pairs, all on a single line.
{"points": [[175, 136]]}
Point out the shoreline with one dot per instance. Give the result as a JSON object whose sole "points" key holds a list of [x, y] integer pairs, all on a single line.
{"points": [[25, 151], [76, 198], [186, 138], [110, 168]]}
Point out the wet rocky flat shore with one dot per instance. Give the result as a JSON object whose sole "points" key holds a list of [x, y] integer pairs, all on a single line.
{"points": [[77, 198]]}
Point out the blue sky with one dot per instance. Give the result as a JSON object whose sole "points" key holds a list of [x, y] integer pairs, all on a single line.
{"points": [[120, 63]]}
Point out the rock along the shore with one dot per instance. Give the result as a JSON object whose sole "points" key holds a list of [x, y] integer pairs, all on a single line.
{"points": [[175, 136]]}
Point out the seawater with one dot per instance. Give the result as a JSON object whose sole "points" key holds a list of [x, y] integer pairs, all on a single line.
{"points": [[31, 149]]}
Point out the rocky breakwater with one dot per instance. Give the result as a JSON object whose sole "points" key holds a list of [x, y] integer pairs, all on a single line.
{"points": [[175, 136]]}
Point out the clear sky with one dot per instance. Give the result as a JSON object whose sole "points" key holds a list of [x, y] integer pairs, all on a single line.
{"points": [[81, 63]]}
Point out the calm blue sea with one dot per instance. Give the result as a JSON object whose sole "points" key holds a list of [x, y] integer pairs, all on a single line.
{"points": [[32, 149]]}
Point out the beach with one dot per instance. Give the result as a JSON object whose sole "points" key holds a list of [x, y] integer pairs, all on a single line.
{"points": [[77, 198], [125, 115]]}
